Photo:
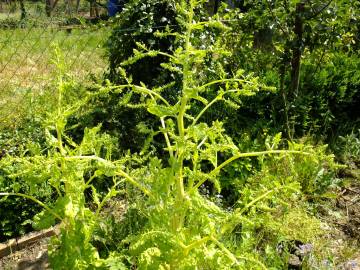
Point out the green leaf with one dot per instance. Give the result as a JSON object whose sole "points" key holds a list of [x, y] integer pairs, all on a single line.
{"points": [[162, 110]]}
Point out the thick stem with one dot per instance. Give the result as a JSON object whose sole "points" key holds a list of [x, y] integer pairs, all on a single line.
{"points": [[23, 10], [180, 191]]}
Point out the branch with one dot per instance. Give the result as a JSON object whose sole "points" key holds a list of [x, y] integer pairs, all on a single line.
{"points": [[222, 81], [233, 257], [217, 98], [167, 55], [275, 19], [228, 253], [118, 172], [241, 155], [107, 197], [143, 90], [166, 137], [34, 200], [196, 243], [135, 183], [256, 200], [321, 10], [262, 197]]}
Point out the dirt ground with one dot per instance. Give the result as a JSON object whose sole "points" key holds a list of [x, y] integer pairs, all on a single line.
{"points": [[33, 257]]}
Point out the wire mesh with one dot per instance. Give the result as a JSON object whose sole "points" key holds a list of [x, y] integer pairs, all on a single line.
{"points": [[29, 31], [28, 36]]}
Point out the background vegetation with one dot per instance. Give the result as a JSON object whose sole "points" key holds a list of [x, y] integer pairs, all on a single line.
{"points": [[214, 124]]}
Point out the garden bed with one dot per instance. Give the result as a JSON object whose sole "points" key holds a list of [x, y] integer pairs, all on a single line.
{"points": [[27, 252]]}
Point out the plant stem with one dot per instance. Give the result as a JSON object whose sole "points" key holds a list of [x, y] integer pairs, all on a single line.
{"points": [[134, 182], [180, 191], [225, 250], [34, 200], [148, 91], [167, 138], [118, 172], [107, 197], [223, 81], [241, 155], [217, 98], [206, 108], [196, 243], [256, 200], [143, 90]]}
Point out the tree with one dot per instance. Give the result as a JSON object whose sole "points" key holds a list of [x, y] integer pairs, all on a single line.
{"points": [[283, 34]]}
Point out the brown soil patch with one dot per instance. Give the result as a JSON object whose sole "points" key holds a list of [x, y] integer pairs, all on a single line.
{"points": [[33, 257]]}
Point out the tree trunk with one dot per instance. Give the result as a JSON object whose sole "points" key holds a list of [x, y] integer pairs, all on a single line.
{"points": [[77, 6], [48, 7], [284, 94], [23, 10], [216, 6], [297, 49], [92, 8], [68, 7]]}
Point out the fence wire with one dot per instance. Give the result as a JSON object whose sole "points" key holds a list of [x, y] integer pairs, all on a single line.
{"points": [[28, 37]]}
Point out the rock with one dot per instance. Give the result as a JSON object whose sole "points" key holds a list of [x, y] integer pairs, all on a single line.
{"points": [[294, 260]]}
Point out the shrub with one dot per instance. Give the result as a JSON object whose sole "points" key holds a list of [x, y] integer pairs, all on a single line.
{"points": [[177, 225]]}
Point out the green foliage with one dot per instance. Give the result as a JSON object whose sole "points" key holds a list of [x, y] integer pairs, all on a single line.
{"points": [[337, 99], [16, 216], [137, 23], [328, 45], [63, 168], [172, 221], [183, 227], [348, 149]]}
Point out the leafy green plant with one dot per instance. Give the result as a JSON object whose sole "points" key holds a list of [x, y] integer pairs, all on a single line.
{"points": [[266, 43], [351, 145], [184, 228], [67, 169], [137, 23], [179, 226], [15, 140]]}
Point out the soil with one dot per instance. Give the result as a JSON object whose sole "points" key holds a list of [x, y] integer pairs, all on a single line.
{"points": [[349, 203], [345, 218], [33, 257]]}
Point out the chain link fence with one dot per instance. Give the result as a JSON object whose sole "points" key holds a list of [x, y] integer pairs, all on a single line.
{"points": [[29, 33]]}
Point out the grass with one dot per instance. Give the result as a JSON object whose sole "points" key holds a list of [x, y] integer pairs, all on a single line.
{"points": [[27, 50], [26, 65]]}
